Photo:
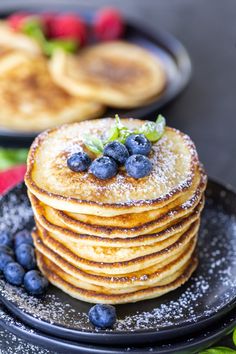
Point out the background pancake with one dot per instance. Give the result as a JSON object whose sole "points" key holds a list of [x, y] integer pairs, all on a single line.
{"points": [[117, 73], [33, 102]]}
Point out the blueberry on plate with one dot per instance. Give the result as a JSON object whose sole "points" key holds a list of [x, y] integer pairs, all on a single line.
{"points": [[138, 166], [6, 239], [117, 151], [14, 273], [102, 316], [23, 236], [25, 255], [103, 167], [35, 283], [79, 162], [5, 258], [138, 144]]}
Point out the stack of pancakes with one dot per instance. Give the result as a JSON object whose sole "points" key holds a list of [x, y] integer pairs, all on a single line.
{"points": [[118, 240]]}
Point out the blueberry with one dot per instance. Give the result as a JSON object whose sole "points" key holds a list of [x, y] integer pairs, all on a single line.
{"points": [[79, 161], [23, 236], [6, 239], [138, 144], [25, 255], [138, 166], [104, 167], [5, 258], [14, 273], [117, 151], [35, 283], [102, 316]]}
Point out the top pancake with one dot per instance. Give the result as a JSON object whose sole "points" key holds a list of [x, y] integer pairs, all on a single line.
{"points": [[174, 159], [116, 73]]}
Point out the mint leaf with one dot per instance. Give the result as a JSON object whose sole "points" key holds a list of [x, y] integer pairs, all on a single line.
{"points": [[123, 135], [94, 144], [153, 130], [33, 28], [68, 46], [11, 157], [219, 350], [234, 336]]}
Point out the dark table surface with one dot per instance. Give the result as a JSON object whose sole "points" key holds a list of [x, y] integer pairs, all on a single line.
{"points": [[207, 108]]}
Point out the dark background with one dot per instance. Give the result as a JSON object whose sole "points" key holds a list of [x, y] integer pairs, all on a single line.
{"points": [[207, 108]]}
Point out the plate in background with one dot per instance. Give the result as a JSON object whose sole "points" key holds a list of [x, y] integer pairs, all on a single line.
{"points": [[169, 50]]}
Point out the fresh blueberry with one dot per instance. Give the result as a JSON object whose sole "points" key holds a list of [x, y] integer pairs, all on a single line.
{"points": [[25, 255], [138, 144], [14, 273], [79, 161], [5, 258], [138, 166], [102, 316], [117, 151], [35, 283], [6, 239], [104, 167], [23, 236], [7, 249]]}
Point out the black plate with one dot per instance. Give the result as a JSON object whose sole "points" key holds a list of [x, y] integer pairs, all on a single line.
{"points": [[209, 294], [185, 345], [171, 52]]}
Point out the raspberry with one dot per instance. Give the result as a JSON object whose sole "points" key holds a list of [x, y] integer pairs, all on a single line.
{"points": [[69, 26], [108, 24], [17, 19], [47, 19], [11, 177]]}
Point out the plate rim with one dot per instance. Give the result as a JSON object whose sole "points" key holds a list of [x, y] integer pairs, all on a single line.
{"points": [[204, 338]]}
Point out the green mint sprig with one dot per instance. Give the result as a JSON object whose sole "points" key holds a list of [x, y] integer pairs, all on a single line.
{"points": [[33, 28], [221, 350], [11, 157], [152, 130], [94, 144]]}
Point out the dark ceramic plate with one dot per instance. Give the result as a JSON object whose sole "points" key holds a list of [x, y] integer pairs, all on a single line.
{"points": [[171, 52], [31, 341], [209, 294]]}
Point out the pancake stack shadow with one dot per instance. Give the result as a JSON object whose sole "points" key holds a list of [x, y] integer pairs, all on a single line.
{"points": [[121, 240]]}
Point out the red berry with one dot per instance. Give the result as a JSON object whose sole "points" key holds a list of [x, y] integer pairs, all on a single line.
{"points": [[69, 26], [17, 19], [108, 24], [11, 177], [47, 19]]}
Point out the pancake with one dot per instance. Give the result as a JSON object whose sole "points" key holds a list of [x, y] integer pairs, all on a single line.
{"points": [[146, 276], [30, 101], [146, 222], [17, 41], [60, 279], [117, 73], [174, 158], [63, 235], [119, 267]]}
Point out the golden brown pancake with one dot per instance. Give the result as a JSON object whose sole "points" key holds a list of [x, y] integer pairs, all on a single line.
{"points": [[118, 73], [31, 101], [174, 158]]}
